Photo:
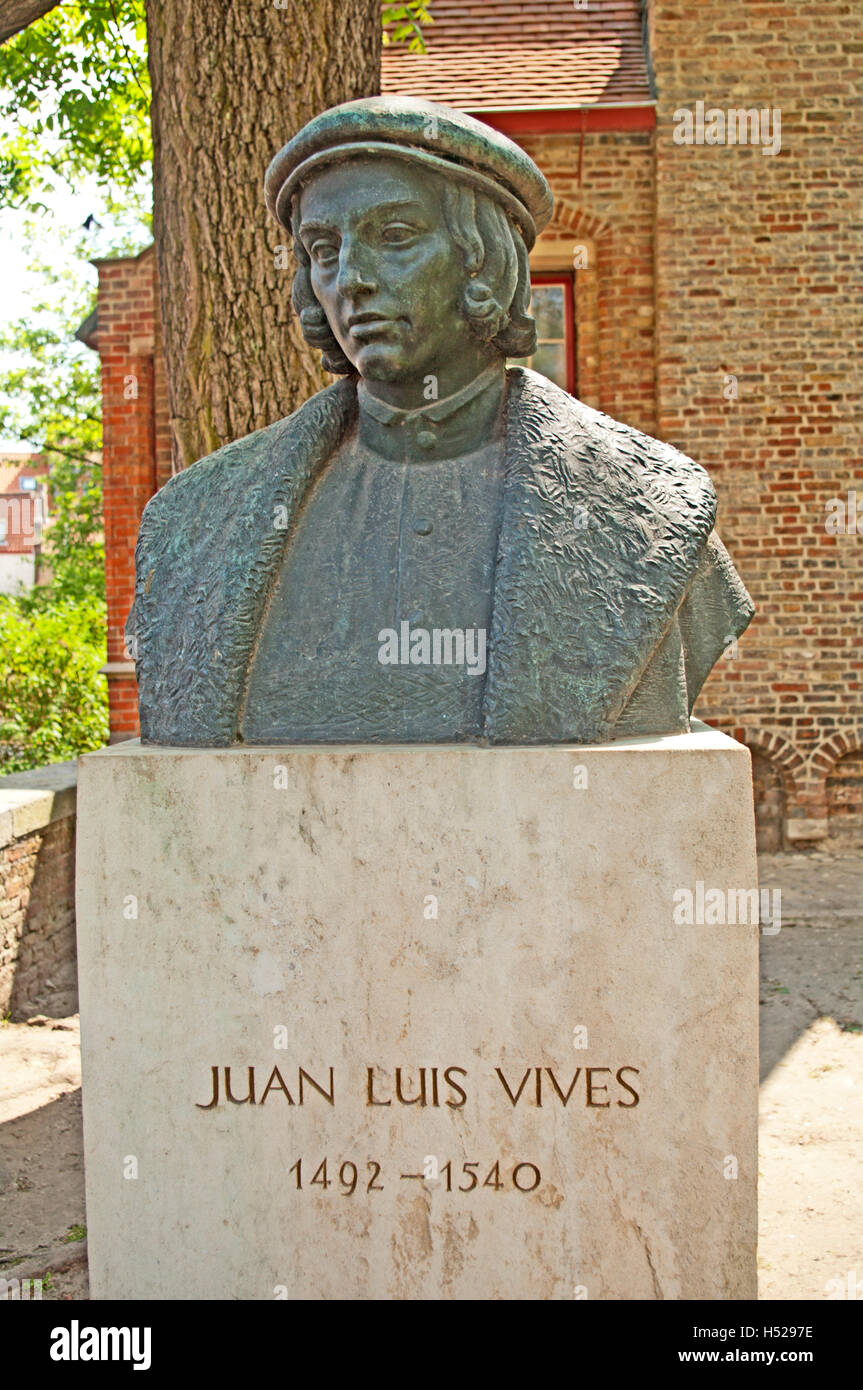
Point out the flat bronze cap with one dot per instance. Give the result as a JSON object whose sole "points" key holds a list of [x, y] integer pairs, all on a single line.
{"points": [[407, 127]]}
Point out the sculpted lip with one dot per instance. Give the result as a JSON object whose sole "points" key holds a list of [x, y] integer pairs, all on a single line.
{"points": [[368, 325]]}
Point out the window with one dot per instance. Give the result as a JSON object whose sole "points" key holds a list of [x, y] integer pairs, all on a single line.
{"points": [[27, 483], [551, 306]]}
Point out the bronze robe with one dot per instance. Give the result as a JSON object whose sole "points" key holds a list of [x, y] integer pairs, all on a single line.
{"points": [[613, 597]]}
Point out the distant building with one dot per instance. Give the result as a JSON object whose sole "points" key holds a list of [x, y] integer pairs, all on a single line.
{"points": [[698, 281], [23, 515]]}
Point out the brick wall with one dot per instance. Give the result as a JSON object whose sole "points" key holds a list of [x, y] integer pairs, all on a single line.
{"points": [[136, 448], [37, 893], [845, 800], [757, 257], [603, 190], [769, 795]]}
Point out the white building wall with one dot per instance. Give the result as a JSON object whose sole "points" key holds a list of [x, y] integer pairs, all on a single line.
{"points": [[15, 571]]}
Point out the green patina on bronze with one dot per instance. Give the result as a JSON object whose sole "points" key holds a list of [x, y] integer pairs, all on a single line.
{"points": [[436, 547]]}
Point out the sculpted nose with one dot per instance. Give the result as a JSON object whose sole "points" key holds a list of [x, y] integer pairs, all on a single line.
{"points": [[356, 269]]}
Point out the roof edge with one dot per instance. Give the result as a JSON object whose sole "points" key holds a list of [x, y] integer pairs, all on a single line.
{"points": [[549, 120], [115, 260], [86, 331]]}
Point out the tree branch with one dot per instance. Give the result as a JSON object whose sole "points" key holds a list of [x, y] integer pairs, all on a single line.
{"points": [[16, 15]]}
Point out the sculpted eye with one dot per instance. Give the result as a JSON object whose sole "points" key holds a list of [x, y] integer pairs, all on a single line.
{"points": [[324, 252], [398, 234]]}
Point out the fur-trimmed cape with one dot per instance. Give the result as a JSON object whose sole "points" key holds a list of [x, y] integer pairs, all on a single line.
{"points": [[606, 553]]}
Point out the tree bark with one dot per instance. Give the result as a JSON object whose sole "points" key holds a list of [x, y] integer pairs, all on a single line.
{"points": [[16, 15], [231, 83]]}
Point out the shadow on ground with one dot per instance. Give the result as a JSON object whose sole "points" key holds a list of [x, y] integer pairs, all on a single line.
{"points": [[813, 967]]}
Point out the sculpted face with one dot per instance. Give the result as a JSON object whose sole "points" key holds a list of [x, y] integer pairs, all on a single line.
{"points": [[385, 269]]}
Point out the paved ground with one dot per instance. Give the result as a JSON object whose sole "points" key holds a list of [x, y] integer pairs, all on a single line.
{"points": [[811, 1147], [811, 1133]]}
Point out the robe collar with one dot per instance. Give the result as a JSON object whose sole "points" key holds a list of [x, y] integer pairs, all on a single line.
{"points": [[457, 424]]}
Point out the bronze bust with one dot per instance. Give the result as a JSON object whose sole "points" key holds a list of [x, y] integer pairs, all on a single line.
{"points": [[436, 547]]}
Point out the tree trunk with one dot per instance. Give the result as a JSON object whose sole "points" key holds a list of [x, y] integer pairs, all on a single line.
{"points": [[16, 15], [231, 83]]}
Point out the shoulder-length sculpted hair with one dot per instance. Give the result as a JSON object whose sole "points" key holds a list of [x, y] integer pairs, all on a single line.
{"points": [[497, 282]]}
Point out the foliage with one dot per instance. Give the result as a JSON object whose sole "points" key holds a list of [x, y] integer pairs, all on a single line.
{"points": [[77, 87], [53, 702], [75, 549], [50, 398], [76, 83], [402, 23]]}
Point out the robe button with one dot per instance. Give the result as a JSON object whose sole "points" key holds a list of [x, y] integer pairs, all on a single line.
{"points": [[425, 439], [422, 526]]}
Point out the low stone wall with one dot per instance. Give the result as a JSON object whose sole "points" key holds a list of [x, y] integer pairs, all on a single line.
{"points": [[37, 892]]}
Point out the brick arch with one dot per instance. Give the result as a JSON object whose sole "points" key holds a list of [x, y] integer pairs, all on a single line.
{"points": [[570, 217], [776, 749], [825, 758]]}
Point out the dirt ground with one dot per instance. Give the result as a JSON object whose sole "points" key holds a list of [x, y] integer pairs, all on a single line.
{"points": [[811, 1134], [41, 1149]]}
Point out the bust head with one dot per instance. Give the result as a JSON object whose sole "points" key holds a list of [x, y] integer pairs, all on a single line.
{"points": [[412, 226], [400, 270]]}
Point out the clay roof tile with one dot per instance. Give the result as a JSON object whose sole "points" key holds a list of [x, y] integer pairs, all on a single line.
{"points": [[504, 54]]}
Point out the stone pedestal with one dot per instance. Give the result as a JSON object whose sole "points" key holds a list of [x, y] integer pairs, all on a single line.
{"points": [[420, 1022]]}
